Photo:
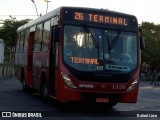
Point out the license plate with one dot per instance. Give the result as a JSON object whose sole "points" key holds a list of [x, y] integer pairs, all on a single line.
{"points": [[102, 100]]}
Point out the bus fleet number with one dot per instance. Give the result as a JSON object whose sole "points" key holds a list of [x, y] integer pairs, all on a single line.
{"points": [[119, 87]]}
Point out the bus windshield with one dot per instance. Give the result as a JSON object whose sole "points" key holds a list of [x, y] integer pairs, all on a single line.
{"points": [[117, 51]]}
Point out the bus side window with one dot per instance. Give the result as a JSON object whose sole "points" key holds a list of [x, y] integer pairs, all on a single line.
{"points": [[26, 40], [21, 44], [32, 30], [38, 38], [46, 36], [18, 40]]}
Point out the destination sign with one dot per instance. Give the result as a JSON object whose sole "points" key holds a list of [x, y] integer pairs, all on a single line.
{"points": [[100, 18]]}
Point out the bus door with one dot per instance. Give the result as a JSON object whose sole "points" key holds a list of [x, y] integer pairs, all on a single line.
{"points": [[53, 60], [37, 64]]}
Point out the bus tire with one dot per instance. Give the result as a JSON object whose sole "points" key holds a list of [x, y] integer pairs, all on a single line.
{"points": [[44, 88], [111, 104], [24, 86], [23, 82], [104, 106], [44, 92]]}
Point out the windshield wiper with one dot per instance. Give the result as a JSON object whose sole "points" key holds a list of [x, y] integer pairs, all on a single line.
{"points": [[86, 28], [113, 42], [95, 42]]}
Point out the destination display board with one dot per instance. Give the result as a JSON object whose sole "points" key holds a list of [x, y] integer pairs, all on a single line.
{"points": [[103, 17]]}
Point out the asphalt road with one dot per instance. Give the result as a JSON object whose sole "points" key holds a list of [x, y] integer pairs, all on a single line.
{"points": [[13, 99]]}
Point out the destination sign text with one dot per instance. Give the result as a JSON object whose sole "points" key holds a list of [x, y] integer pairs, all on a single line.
{"points": [[99, 18]]}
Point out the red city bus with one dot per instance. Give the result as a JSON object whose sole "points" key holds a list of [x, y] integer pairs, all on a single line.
{"points": [[81, 54]]}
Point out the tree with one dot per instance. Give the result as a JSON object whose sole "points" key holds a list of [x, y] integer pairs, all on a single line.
{"points": [[151, 54], [8, 32]]}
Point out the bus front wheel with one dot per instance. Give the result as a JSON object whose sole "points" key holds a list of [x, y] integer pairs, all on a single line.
{"points": [[108, 105], [111, 104]]}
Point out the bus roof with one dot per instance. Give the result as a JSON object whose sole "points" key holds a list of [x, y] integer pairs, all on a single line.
{"points": [[50, 14], [56, 12]]}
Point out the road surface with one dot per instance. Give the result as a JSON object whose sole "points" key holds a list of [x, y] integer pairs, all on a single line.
{"points": [[13, 99]]}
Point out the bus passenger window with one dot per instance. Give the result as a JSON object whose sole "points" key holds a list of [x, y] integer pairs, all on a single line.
{"points": [[46, 34], [21, 46], [38, 38], [26, 40], [18, 41]]}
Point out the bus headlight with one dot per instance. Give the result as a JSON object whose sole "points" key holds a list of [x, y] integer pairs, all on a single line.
{"points": [[67, 80], [133, 85]]}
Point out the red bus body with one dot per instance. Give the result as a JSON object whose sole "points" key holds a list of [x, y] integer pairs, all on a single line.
{"points": [[40, 61]]}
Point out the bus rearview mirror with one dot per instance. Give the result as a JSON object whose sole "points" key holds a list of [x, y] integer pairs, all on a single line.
{"points": [[142, 41], [56, 33]]}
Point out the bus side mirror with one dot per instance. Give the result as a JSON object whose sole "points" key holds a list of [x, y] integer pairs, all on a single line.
{"points": [[142, 41], [56, 33]]}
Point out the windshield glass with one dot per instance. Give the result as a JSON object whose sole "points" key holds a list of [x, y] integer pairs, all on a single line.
{"points": [[99, 49]]}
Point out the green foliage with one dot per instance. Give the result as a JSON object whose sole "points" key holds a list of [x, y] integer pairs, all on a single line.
{"points": [[151, 54], [8, 31]]}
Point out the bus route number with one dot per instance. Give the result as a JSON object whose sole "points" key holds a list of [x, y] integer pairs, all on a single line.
{"points": [[79, 16]]}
